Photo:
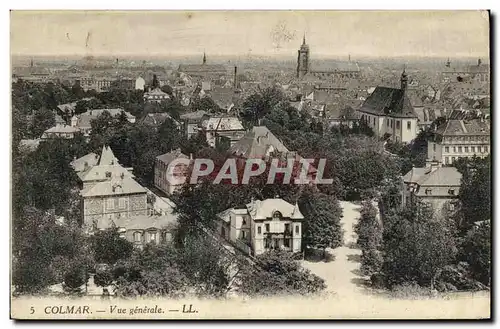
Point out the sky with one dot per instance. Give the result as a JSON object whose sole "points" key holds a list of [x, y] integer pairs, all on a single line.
{"points": [[263, 33]]}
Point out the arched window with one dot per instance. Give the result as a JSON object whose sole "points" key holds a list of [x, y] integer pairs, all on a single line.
{"points": [[137, 236], [277, 215]]}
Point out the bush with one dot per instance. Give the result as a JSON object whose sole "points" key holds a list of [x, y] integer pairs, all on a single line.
{"points": [[75, 278], [371, 262], [409, 290]]}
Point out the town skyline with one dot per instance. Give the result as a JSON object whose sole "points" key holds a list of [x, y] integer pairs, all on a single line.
{"points": [[251, 33]]}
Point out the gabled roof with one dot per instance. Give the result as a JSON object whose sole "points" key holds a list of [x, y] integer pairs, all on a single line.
{"points": [[388, 102], [454, 127], [222, 124], [169, 157], [100, 172], [84, 162], [265, 209], [442, 176], [107, 157], [257, 142], [61, 129]]}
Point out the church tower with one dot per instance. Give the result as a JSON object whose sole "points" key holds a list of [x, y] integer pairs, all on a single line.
{"points": [[404, 80], [303, 59], [204, 58]]}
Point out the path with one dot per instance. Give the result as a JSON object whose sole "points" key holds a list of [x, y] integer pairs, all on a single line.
{"points": [[341, 274]]}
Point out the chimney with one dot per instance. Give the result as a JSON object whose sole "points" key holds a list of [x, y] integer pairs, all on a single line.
{"points": [[235, 77], [479, 62]]}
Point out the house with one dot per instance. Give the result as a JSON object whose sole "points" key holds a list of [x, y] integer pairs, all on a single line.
{"points": [[259, 143], [145, 229], [345, 115], [156, 95], [109, 191], [60, 131], [156, 119], [460, 138], [83, 121], [162, 174], [434, 184], [192, 122], [261, 226], [389, 113], [225, 127]]}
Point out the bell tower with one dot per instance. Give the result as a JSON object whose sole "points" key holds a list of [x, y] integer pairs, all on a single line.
{"points": [[303, 59]]}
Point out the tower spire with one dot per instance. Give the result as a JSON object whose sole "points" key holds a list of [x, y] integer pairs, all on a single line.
{"points": [[204, 58], [304, 38]]}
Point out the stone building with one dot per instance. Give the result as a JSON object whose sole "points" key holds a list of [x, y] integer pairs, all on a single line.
{"points": [[389, 113], [456, 139], [260, 226], [109, 191], [161, 178]]}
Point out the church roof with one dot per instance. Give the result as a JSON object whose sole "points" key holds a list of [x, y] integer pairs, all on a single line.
{"points": [[388, 101]]}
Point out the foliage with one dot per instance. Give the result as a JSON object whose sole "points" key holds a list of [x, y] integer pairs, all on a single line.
{"points": [[257, 105], [204, 104], [108, 247], [476, 251], [475, 191], [103, 278], [416, 247], [322, 213], [75, 278], [277, 272]]}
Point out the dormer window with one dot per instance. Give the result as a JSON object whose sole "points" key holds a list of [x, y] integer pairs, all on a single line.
{"points": [[108, 174], [451, 191], [277, 215], [428, 191]]}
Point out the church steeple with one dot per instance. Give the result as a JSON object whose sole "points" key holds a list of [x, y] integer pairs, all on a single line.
{"points": [[304, 39], [303, 59], [404, 80], [204, 58]]}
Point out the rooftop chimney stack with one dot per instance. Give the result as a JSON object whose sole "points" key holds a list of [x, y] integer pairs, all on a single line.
{"points": [[479, 62]]}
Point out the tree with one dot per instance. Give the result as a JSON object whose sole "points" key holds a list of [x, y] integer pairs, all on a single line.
{"points": [[369, 231], [103, 278], [476, 251], [43, 120], [108, 247], [322, 215], [475, 192], [416, 247], [257, 105], [205, 104], [277, 273], [75, 278]]}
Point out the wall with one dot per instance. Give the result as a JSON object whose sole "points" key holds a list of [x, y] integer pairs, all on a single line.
{"points": [[97, 208]]}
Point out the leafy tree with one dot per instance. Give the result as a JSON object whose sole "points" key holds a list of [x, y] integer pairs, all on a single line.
{"points": [[275, 273], [475, 191], [257, 105], [108, 247], [416, 247], [43, 120], [103, 278], [75, 278], [205, 104], [369, 231], [476, 251], [322, 215]]}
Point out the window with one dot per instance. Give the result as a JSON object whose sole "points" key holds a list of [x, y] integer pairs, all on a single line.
{"points": [[108, 174], [287, 228], [152, 236], [473, 149], [223, 231], [391, 122], [466, 149], [167, 237], [398, 124], [480, 149], [447, 149], [122, 203], [286, 243], [243, 234], [428, 191], [446, 160], [451, 191], [454, 149], [486, 149], [267, 227], [460, 149], [244, 222], [137, 236], [297, 229], [259, 230], [452, 159], [451, 206], [110, 204], [434, 147], [408, 125], [267, 243]]}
